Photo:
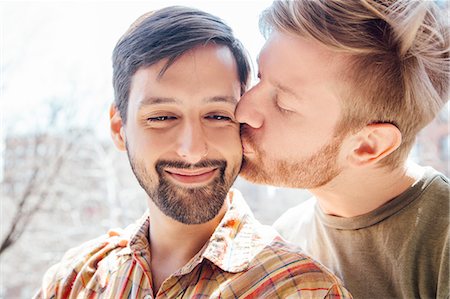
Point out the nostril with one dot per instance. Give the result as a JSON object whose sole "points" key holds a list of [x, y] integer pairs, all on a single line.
{"points": [[245, 131]]}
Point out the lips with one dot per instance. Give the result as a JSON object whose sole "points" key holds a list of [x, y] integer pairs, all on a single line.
{"points": [[191, 176], [247, 149], [247, 139]]}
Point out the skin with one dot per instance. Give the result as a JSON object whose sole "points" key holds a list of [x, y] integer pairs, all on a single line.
{"points": [[181, 130], [290, 135], [296, 108]]}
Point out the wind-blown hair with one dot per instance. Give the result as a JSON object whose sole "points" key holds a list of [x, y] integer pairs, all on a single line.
{"points": [[398, 52], [167, 34]]}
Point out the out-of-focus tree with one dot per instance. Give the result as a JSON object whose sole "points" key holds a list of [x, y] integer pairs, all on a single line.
{"points": [[34, 164], [59, 189]]}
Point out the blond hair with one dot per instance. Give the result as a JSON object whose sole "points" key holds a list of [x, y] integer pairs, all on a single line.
{"points": [[399, 53]]}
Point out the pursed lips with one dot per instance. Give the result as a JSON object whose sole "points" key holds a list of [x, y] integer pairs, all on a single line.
{"points": [[246, 149]]}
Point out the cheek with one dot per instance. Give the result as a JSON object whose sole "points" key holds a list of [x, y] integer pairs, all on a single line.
{"points": [[148, 146], [285, 139], [227, 142], [278, 133]]}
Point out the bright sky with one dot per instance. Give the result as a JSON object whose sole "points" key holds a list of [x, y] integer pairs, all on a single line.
{"points": [[60, 53]]}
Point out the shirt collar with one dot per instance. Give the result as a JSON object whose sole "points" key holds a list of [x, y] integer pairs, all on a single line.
{"points": [[232, 246], [238, 237], [137, 234]]}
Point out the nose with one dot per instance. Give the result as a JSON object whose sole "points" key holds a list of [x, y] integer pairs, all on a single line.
{"points": [[247, 110], [192, 145]]}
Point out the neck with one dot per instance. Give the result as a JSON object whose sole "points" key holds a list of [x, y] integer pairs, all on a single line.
{"points": [[359, 191], [174, 244], [170, 238]]}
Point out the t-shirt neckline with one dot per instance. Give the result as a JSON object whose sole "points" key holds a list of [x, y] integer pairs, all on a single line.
{"points": [[385, 211]]}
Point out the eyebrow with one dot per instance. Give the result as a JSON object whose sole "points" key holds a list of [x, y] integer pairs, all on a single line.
{"points": [[285, 89], [162, 100], [157, 100], [281, 87], [224, 99], [276, 83]]}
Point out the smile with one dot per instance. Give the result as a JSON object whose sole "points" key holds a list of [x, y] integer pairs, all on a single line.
{"points": [[198, 176]]}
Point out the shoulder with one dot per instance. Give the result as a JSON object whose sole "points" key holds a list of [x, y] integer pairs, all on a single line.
{"points": [[88, 264], [433, 194], [291, 272], [437, 183], [428, 180]]}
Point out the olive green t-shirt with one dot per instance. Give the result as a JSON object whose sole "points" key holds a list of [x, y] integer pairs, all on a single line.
{"points": [[400, 250]]}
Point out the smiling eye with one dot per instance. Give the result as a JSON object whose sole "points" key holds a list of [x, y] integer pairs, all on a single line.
{"points": [[160, 118], [219, 117]]}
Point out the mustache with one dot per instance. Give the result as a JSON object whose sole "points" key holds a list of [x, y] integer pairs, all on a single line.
{"points": [[183, 165]]}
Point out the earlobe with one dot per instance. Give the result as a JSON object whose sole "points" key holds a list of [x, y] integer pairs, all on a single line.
{"points": [[117, 128], [373, 143]]}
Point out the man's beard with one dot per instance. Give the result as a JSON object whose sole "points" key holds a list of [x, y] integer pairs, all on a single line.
{"points": [[186, 205], [311, 172]]}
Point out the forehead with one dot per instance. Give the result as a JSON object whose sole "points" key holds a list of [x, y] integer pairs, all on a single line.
{"points": [[205, 72], [295, 59]]}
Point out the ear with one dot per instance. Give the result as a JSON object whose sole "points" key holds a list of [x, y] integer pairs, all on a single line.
{"points": [[373, 143], [116, 126]]}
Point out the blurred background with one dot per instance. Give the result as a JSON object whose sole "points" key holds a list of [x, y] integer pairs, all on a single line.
{"points": [[62, 181]]}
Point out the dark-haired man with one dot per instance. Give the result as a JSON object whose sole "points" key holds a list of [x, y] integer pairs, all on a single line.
{"points": [[178, 74]]}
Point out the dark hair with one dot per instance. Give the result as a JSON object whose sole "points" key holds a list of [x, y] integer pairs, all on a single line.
{"points": [[169, 33]]}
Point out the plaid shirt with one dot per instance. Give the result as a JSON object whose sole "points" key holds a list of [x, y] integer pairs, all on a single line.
{"points": [[242, 259]]}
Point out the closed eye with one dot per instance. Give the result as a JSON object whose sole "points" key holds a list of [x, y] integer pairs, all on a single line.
{"points": [[279, 107], [282, 110]]}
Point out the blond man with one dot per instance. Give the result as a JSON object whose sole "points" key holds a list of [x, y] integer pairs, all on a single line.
{"points": [[345, 86]]}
